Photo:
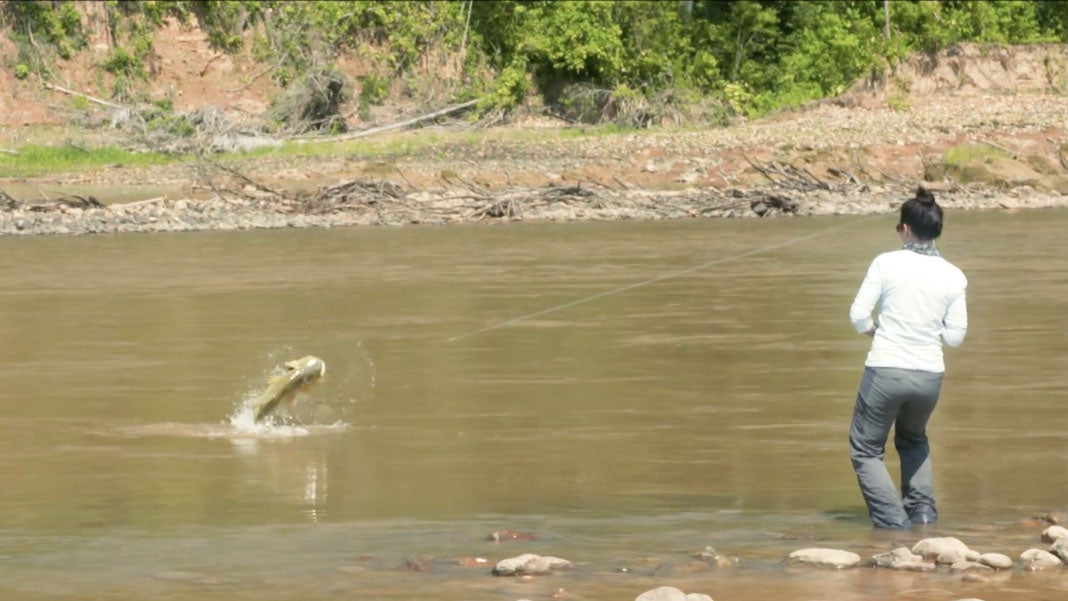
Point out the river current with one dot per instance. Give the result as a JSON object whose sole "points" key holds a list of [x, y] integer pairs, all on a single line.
{"points": [[626, 393]]}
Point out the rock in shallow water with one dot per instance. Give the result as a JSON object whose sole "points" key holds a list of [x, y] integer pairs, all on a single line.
{"points": [[1037, 559], [996, 561], [944, 550], [530, 564], [902, 559], [965, 565], [1060, 549], [670, 593], [829, 558], [1054, 533]]}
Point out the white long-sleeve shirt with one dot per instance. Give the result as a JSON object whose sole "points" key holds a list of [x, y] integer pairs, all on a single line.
{"points": [[920, 303]]}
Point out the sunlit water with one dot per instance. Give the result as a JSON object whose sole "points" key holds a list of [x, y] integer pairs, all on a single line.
{"points": [[628, 393]]}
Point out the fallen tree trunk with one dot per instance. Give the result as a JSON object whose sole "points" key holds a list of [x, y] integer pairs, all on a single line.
{"points": [[398, 125], [52, 86]]}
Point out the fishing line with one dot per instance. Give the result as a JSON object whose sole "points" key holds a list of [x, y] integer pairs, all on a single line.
{"points": [[600, 295]]}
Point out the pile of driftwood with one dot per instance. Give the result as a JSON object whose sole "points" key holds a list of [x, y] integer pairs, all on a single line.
{"points": [[455, 204], [386, 201], [10, 203]]}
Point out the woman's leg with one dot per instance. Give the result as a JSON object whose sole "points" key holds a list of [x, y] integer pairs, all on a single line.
{"points": [[910, 440], [874, 413]]}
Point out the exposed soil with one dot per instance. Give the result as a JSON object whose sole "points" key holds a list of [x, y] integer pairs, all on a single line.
{"points": [[986, 127]]}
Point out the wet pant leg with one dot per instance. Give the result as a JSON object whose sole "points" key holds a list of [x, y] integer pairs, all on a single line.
{"points": [[874, 412], [910, 440]]}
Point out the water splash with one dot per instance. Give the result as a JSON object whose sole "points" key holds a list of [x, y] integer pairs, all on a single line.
{"points": [[330, 404]]}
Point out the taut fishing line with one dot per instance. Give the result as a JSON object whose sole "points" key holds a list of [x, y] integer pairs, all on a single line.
{"points": [[719, 261]]}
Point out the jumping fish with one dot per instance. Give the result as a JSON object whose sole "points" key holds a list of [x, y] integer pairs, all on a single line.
{"points": [[298, 376]]}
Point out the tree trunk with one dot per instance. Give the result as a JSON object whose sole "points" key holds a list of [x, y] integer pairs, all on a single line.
{"points": [[886, 18]]}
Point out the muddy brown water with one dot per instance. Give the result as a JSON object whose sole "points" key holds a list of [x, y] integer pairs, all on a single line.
{"points": [[630, 393]]}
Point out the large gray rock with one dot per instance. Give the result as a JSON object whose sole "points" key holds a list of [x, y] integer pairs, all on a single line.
{"points": [[943, 550], [530, 564], [1037, 559], [828, 558]]}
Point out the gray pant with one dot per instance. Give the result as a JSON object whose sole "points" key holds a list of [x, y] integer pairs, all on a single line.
{"points": [[905, 399]]}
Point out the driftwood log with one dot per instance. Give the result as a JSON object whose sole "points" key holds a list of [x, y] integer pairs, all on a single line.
{"points": [[398, 125]]}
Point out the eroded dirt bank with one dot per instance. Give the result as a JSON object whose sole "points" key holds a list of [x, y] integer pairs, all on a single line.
{"points": [[984, 130]]}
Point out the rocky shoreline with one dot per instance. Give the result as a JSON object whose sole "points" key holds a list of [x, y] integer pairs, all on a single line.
{"points": [[382, 204], [945, 554], [843, 157]]}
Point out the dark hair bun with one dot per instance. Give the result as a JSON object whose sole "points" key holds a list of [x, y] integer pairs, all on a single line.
{"points": [[924, 197]]}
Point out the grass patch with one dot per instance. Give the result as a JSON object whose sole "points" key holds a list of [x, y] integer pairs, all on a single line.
{"points": [[40, 159], [966, 153], [35, 160], [420, 142]]}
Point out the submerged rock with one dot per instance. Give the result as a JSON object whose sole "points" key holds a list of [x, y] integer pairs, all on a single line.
{"points": [[502, 535], [964, 565], [902, 559], [713, 558], [829, 558]]}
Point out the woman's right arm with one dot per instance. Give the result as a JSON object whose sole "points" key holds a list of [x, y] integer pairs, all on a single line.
{"points": [[860, 313], [955, 323]]}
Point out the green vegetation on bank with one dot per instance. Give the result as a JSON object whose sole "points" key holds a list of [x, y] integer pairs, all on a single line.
{"points": [[34, 160], [629, 61], [624, 63]]}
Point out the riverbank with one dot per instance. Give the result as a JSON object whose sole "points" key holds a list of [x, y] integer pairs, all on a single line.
{"points": [[552, 203], [977, 150]]}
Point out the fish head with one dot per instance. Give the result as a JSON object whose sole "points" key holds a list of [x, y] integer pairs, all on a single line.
{"points": [[310, 369]]}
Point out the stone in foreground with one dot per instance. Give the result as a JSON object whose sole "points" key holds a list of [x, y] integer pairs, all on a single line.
{"points": [[825, 558]]}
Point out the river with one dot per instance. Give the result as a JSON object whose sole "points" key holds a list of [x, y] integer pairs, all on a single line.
{"points": [[628, 393]]}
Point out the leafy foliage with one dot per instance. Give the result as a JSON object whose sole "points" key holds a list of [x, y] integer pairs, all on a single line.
{"points": [[639, 58]]}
